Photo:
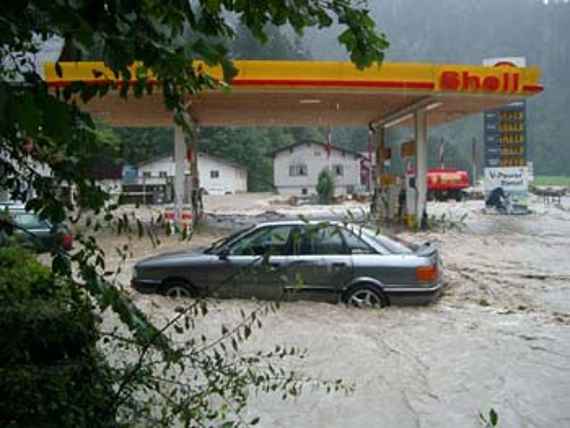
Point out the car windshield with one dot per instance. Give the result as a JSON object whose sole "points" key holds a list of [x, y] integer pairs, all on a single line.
{"points": [[392, 244], [216, 245]]}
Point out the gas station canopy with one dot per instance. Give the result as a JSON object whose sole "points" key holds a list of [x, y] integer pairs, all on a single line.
{"points": [[318, 93]]}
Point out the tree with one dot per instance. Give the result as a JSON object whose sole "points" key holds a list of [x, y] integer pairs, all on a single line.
{"points": [[41, 127], [325, 186]]}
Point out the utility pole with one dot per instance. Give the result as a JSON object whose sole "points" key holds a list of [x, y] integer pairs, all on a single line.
{"points": [[442, 153], [474, 160]]}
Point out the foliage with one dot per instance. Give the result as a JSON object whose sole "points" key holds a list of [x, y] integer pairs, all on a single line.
{"points": [[491, 421], [543, 180], [325, 186], [41, 129], [249, 147], [52, 374], [22, 277], [143, 144]]}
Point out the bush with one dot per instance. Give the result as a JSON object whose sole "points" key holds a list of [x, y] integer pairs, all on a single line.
{"points": [[325, 187], [51, 371], [22, 276]]}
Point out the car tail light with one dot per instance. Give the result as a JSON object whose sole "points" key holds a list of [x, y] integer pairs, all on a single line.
{"points": [[427, 273], [67, 242]]}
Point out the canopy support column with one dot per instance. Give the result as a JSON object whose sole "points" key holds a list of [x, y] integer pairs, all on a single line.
{"points": [[380, 144], [421, 137], [179, 171]]}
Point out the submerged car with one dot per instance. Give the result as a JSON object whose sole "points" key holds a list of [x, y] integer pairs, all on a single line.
{"points": [[33, 232], [298, 260]]}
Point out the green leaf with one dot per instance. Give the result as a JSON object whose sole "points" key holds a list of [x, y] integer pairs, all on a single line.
{"points": [[493, 417], [27, 114]]}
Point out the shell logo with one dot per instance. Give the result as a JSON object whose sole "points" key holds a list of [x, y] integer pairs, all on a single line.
{"points": [[467, 81]]}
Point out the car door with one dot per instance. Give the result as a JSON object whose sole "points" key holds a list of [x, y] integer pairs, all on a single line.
{"points": [[390, 262], [320, 266], [259, 261]]}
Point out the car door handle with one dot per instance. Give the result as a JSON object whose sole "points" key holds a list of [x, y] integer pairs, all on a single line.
{"points": [[339, 265]]}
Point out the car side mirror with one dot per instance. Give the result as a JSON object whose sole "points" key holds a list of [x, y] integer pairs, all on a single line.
{"points": [[224, 253]]}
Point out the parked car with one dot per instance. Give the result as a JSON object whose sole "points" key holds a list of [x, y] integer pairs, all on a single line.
{"points": [[33, 232], [297, 260]]}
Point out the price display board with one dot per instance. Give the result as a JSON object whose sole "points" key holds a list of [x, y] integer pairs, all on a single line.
{"points": [[506, 171], [505, 136]]}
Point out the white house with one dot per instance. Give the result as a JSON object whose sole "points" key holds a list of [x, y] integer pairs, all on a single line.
{"points": [[217, 176], [296, 168]]}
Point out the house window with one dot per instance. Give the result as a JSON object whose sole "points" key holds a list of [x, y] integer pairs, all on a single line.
{"points": [[214, 173], [304, 191], [147, 174], [162, 174], [338, 170], [298, 170]]}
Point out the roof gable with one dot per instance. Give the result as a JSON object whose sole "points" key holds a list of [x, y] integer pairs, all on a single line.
{"points": [[317, 143], [171, 158]]}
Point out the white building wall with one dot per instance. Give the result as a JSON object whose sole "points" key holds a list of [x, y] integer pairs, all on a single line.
{"points": [[315, 158], [154, 168], [219, 177], [229, 178]]}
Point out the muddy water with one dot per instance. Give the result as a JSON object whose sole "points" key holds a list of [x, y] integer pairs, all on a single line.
{"points": [[499, 337]]}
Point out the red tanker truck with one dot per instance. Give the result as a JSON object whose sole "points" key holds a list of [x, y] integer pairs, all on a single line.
{"points": [[447, 183]]}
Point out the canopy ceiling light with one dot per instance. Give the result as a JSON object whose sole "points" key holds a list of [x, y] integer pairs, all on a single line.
{"points": [[433, 106], [398, 120]]}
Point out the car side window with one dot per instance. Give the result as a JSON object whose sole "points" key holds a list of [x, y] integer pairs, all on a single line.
{"points": [[322, 241], [268, 240], [355, 244]]}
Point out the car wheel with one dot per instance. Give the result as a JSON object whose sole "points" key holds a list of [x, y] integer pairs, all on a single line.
{"points": [[365, 297], [178, 289]]}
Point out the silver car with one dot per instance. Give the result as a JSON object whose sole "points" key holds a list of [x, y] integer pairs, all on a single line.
{"points": [[291, 260]]}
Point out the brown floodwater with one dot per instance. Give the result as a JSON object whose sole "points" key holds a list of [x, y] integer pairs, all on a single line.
{"points": [[498, 338]]}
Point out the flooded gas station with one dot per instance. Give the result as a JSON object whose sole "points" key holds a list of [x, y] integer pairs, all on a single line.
{"points": [[499, 336]]}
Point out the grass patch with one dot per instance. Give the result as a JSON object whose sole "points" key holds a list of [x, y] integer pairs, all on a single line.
{"points": [[551, 180]]}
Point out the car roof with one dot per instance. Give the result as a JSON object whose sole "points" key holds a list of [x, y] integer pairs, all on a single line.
{"points": [[298, 223]]}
